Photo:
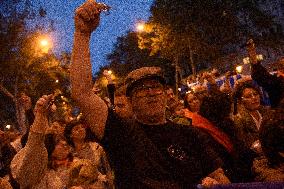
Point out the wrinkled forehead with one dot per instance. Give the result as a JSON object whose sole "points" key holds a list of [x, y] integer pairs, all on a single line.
{"points": [[150, 82], [146, 82]]}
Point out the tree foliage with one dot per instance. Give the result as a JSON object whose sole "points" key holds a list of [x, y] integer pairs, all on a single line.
{"points": [[203, 33], [208, 30], [23, 64], [127, 56]]}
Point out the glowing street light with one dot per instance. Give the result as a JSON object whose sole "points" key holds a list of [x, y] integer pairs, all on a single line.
{"points": [[140, 27], [56, 81], [239, 69], [44, 43]]}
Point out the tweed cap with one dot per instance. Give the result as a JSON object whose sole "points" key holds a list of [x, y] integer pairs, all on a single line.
{"points": [[143, 73]]}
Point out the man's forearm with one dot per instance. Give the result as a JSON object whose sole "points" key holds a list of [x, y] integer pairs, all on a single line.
{"points": [[91, 105], [81, 70]]}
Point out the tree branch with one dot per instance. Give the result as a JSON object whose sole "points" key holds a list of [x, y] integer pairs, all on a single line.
{"points": [[7, 93]]}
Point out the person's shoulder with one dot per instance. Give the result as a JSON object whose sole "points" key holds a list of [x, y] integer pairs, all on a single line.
{"points": [[115, 119]]}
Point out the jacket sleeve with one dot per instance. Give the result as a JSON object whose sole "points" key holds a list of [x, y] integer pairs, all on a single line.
{"points": [[30, 163], [272, 84]]}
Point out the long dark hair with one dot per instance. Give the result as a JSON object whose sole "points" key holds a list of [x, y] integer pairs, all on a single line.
{"points": [[50, 142], [216, 107]]}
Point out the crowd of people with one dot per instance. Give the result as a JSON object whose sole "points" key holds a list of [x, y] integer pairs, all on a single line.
{"points": [[144, 136]]}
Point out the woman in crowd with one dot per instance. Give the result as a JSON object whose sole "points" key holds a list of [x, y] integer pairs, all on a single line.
{"points": [[214, 118], [188, 115], [248, 117], [249, 113], [78, 136], [191, 102], [194, 98], [45, 160]]}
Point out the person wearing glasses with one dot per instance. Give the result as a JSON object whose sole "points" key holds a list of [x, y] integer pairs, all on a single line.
{"points": [[148, 151]]}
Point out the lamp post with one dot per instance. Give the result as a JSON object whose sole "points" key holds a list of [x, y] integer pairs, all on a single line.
{"points": [[44, 43], [140, 27]]}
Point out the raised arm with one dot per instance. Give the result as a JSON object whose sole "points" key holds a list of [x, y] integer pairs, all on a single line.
{"points": [[272, 84], [93, 107], [30, 164]]}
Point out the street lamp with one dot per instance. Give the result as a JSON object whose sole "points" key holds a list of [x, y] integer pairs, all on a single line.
{"points": [[44, 43], [239, 69], [140, 27]]}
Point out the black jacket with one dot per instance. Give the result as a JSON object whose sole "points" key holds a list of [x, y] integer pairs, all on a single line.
{"points": [[272, 84]]}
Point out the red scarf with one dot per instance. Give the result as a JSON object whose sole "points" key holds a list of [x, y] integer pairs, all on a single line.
{"points": [[201, 122]]}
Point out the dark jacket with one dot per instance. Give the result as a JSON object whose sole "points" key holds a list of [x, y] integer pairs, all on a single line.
{"points": [[7, 153], [272, 137], [272, 84]]}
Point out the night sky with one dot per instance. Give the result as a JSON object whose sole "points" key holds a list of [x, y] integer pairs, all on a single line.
{"points": [[123, 16]]}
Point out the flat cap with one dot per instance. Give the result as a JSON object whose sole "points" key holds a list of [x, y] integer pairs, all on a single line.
{"points": [[137, 75]]}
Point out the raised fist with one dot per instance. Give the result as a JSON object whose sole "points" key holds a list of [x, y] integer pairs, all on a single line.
{"points": [[25, 101], [42, 105], [87, 17], [252, 51]]}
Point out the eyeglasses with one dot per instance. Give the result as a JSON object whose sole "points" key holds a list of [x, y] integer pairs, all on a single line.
{"points": [[144, 90]]}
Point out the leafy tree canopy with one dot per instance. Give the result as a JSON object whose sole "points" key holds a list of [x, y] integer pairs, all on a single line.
{"points": [[210, 29], [24, 64]]}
